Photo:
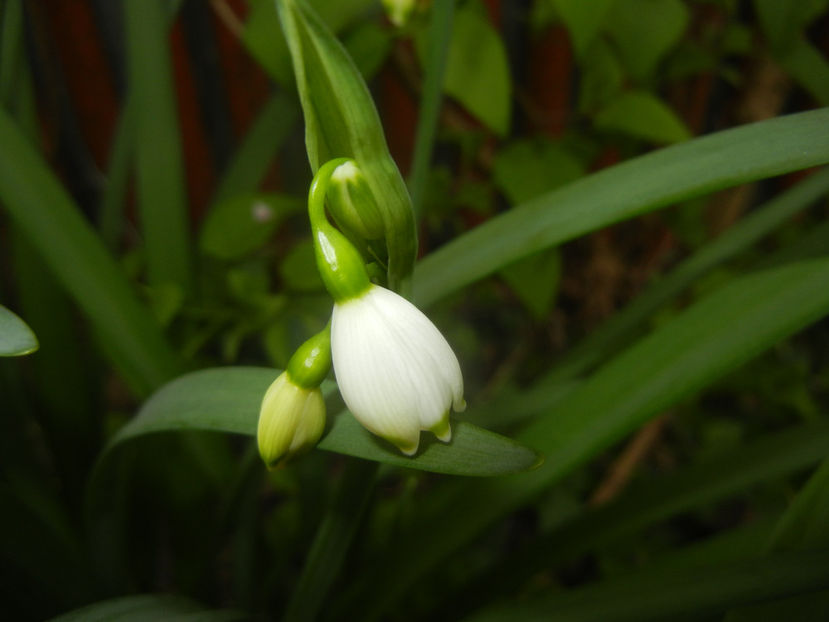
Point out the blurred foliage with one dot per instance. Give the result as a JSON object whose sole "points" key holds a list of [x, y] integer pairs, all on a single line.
{"points": [[664, 346]]}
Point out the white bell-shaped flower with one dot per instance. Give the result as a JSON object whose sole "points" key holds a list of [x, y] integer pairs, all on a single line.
{"points": [[396, 372]]}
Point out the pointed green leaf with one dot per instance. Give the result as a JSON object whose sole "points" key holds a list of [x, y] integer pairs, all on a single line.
{"points": [[635, 187], [16, 338], [642, 115], [477, 72], [644, 31], [228, 399], [243, 223], [583, 20]]}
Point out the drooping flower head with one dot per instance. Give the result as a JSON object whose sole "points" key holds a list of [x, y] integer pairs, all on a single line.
{"points": [[396, 372]]}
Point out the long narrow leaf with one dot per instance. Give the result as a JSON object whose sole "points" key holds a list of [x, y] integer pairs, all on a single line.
{"points": [[671, 595], [622, 325], [805, 525], [440, 32], [732, 473], [711, 338], [629, 189], [161, 184], [43, 210], [253, 157], [331, 543]]}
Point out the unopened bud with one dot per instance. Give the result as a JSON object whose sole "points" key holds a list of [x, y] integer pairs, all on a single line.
{"points": [[352, 202], [291, 420], [399, 11]]}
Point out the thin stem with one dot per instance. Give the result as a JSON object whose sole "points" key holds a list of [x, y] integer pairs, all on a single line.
{"points": [[439, 34], [340, 265]]}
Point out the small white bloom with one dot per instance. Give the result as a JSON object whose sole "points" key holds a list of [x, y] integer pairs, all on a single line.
{"points": [[396, 372]]}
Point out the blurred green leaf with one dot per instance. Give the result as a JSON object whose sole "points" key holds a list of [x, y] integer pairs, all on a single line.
{"points": [[804, 526], [535, 280], [477, 72], [228, 399], [583, 19], [806, 522], [43, 210], [369, 45], [255, 155], [602, 77], [622, 326], [782, 21], [162, 193], [434, 51], [263, 38], [243, 223], [668, 595], [16, 338], [654, 500], [644, 31], [642, 115], [804, 62], [634, 187], [149, 608], [708, 340], [298, 269], [527, 168]]}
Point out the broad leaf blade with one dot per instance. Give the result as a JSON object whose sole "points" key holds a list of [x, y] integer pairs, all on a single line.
{"points": [[16, 338], [228, 399]]}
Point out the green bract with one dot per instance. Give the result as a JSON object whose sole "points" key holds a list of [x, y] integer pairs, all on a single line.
{"points": [[341, 121]]}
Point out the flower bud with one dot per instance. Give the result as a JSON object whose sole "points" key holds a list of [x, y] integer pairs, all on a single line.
{"points": [[292, 415], [399, 11], [291, 420], [352, 202]]}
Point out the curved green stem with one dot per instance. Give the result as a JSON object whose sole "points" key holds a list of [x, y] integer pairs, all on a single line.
{"points": [[340, 265]]}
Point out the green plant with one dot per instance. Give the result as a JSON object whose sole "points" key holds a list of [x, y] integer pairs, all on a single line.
{"points": [[641, 331]]}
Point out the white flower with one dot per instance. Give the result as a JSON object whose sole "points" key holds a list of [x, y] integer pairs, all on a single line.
{"points": [[396, 372]]}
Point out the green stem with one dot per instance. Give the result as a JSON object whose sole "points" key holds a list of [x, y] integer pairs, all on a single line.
{"points": [[340, 265], [439, 35]]}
